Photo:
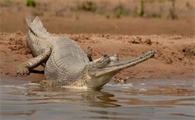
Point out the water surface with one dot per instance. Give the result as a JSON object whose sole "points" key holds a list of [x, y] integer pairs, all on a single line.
{"points": [[140, 100]]}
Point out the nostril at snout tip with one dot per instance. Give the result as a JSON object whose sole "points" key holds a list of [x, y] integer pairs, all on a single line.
{"points": [[153, 53]]}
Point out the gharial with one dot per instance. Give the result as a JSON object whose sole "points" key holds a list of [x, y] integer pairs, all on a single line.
{"points": [[67, 64]]}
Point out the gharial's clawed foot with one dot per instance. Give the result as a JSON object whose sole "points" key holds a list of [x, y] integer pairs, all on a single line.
{"points": [[22, 70]]}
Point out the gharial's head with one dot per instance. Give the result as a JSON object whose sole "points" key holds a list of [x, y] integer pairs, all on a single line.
{"points": [[99, 72]]}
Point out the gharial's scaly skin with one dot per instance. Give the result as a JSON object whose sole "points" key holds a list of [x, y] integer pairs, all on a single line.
{"points": [[67, 64]]}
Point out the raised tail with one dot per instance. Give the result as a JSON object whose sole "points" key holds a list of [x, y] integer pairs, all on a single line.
{"points": [[36, 27]]}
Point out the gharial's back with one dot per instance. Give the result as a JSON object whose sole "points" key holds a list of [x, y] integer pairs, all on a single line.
{"points": [[66, 61]]}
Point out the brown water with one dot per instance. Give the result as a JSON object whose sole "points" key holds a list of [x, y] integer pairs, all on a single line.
{"points": [[139, 100]]}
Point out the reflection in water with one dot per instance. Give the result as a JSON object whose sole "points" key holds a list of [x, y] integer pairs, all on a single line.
{"points": [[92, 98], [125, 101]]}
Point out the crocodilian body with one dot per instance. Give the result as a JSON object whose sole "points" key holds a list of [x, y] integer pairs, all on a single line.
{"points": [[67, 64]]}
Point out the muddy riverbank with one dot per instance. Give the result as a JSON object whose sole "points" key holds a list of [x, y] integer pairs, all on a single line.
{"points": [[174, 54]]}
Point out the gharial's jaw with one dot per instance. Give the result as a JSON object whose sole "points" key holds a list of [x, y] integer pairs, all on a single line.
{"points": [[117, 65], [96, 76], [101, 76]]}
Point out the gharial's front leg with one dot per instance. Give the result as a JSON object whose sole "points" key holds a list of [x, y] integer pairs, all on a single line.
{"points": [[23, 68]]}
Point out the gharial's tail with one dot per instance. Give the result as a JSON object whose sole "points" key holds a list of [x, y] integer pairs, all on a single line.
{"points": [[36, 27]]}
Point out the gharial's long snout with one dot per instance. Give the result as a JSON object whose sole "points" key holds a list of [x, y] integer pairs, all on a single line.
{"points": [[100, 71], [116, 66]]}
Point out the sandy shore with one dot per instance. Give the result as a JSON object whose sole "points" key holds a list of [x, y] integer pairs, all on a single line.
{"points": [[62, 16], [174, 54]]}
